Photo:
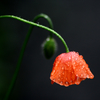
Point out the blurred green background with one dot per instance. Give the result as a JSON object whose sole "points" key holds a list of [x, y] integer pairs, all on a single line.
{"points": [[78, 22]]}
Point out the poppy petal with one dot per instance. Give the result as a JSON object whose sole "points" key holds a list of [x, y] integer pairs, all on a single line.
{"points": [[70, 68]]}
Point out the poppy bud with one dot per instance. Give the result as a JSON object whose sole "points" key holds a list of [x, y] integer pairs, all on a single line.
{"points": [[49, 47]]}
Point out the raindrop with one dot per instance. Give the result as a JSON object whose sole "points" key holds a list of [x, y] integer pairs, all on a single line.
{"points": [[73, 67], [46, 16], [71, 81], [69, 58], [53, 72], [63, 73], [83, 66], [58, 79], [77, 78], [68, 65], [61, 82], [66, 82], [87, 76], [59, 75], [62, 67], [81, 75], [75, 58], [73, 63], [91, 76], [80, 63], [76, 74], [53, 79]]}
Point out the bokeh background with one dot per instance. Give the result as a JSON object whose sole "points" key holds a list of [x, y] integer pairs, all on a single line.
{"points": [[77, 21]]}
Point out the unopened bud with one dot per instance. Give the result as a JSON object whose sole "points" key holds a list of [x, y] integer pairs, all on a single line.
{"points": [[49, 47]]}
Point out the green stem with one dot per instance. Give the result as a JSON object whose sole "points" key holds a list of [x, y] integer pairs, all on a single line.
{"points": [[24, 46], [41, 16], [38, 25], [23, 49]]}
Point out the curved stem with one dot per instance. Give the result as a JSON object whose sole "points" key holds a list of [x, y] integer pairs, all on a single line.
{"points": [[38, 25], [42, 16], [24, 46], [23, 49]]}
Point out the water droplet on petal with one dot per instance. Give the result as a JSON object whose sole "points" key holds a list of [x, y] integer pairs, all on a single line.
{"points": [[87, 76], [69, 72], [73, 67], [62, 67], [53, 72], [75, 58], [66, 82], [71, 81], [81, 75], [63, 73], [80, 63], [77, 78], [53, 79], [59, 75], [61, 82], [69, 58]]}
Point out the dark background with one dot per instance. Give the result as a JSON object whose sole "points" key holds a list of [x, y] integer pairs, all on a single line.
{"points": [[78, 22]]}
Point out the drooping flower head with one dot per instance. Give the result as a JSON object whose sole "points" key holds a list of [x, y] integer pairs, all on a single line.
{"points": [[70, 68]]}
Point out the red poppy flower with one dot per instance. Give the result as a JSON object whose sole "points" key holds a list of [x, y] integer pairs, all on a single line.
{"points": [[70, 68]]}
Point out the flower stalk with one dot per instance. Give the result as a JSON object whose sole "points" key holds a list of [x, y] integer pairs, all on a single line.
{"points": [[26, 41], [38, 25]]}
